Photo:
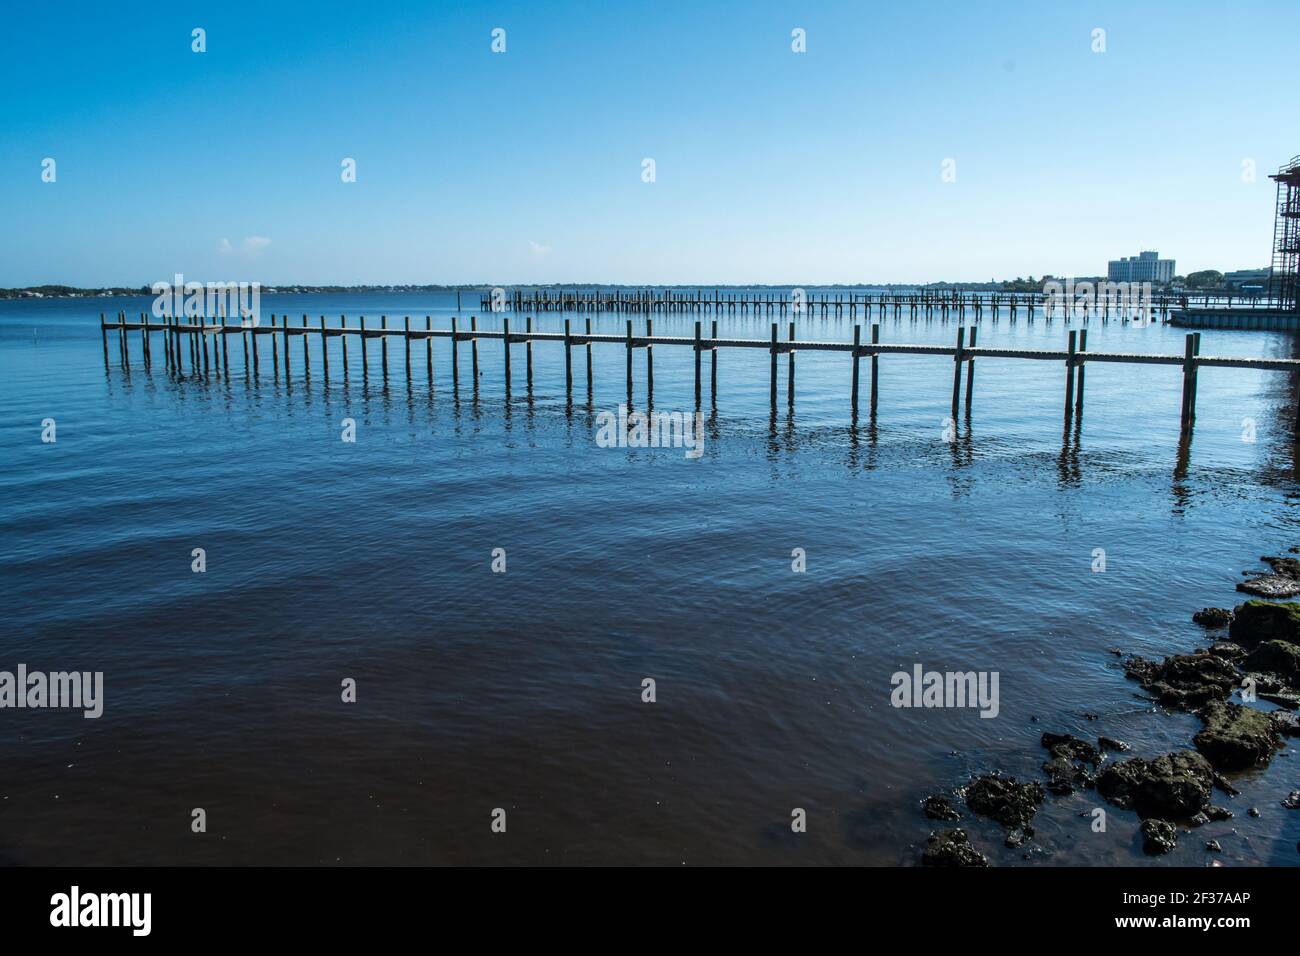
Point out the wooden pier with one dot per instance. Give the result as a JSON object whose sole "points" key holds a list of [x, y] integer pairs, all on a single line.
{"points": [[929, 304], [206, 347]]}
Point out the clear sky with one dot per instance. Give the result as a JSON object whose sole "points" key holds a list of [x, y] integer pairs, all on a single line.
{"points": [[526, 166]]}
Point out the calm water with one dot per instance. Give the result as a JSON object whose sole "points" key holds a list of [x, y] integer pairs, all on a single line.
{"points": [[328, 560]]}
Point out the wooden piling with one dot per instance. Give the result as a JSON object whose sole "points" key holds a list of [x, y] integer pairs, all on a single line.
{"points": [[343, 342], [225, 354], [275, 349], [383, 344], [698, 357], [528, 351], [455, 348], [306, 358], [568, 363], [773, 376], [857, 342], [253, 333], [1069, 374], [588, 360], [1078, 391], [629, 363], [428, 350], [365, 366], [713, 365], [407, 339], [875, 367], [473, 348], [956, 368], [970, 369], [103, 334], [789, 384], [649, 361], [287, 360], [505, 338], [324, 349]]}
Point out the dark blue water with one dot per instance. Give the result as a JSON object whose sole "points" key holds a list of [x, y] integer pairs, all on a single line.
{"points": [[372, 560]]}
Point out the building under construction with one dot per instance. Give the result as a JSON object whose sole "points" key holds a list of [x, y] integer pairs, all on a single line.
{"points": [[1284, 283]]}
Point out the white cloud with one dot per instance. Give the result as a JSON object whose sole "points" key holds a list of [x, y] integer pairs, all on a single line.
{"points": [[250, 246], [538, 249]]}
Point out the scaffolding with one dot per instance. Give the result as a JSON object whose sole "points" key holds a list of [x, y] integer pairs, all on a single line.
{"points": [[1284, 279]]}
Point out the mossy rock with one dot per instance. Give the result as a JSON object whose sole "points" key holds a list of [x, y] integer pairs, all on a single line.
{"points": [[1236, 737], [1276, 657], [1258, 621]]}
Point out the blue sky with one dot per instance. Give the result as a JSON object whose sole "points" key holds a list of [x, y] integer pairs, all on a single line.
{"points": [[526, 166]]}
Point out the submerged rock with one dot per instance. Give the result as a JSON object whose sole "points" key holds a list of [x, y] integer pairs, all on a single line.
{"points": [[1176, 785], [1292, 801], [1069, 766], [1229, 652], [1158, 837], [1236, 737], [951, 848], [1213, 617], [938, 807], [1184, 680], [1011, 804], [1257, 621], [1110, 743], [1276, 657], [1214, 847], [1282, 583], [1219, 813]]}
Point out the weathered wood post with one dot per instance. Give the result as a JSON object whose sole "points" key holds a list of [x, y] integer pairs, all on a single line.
{"points": [[428, 350], [406, 337], [568, 362], [528, 351], [103, 334], [1069, 374], [284, 327], [629, 362], [225, 354], [956, 368], [1078, 392], [473, 348], [649, 361], [275, 349], [875, 364], [589, 360], [698, 357], [505, 339], [243, 337], [383, 344], [324, 349], [252, 331], [1192, 348], [306, 357], [789, 383], [713, 365], [970, 369], [455, 370], [365, 366], [773, 351], [857, 342]]}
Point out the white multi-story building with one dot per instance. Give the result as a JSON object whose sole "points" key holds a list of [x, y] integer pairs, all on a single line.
{"points": [[1144, 267]]}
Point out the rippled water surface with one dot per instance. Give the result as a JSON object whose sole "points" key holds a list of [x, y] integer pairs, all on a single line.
{"points": [[372, 560]]}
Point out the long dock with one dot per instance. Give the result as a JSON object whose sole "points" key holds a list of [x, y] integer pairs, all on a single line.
{"points": [[924, 303], [207, 345]]}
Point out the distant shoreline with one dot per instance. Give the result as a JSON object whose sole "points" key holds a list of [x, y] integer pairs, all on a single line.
{"points": [[74, 292]]}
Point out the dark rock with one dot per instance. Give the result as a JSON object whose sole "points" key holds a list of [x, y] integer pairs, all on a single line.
{"points": [[1236, 737], [1158, 836], [1258, 621], [1110, 743], [1184, 680], [1017, 837], [951, 848], [1270, 586], [1276, 657], [1292, 801], [1213, 617], [1070, 747], [1288, 725], [1011, 804], [1068, 767], [1219, 813], [1213, 847], [1200, 820], [1253, 811], [1229, 652], [939, 808], [1176, 785]]}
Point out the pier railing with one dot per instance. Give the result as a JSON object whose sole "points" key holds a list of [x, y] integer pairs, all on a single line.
{"points": [[207, 346]]}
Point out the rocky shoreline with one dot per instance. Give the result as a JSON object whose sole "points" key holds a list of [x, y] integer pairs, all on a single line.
{"points": [[1258, 658]]}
